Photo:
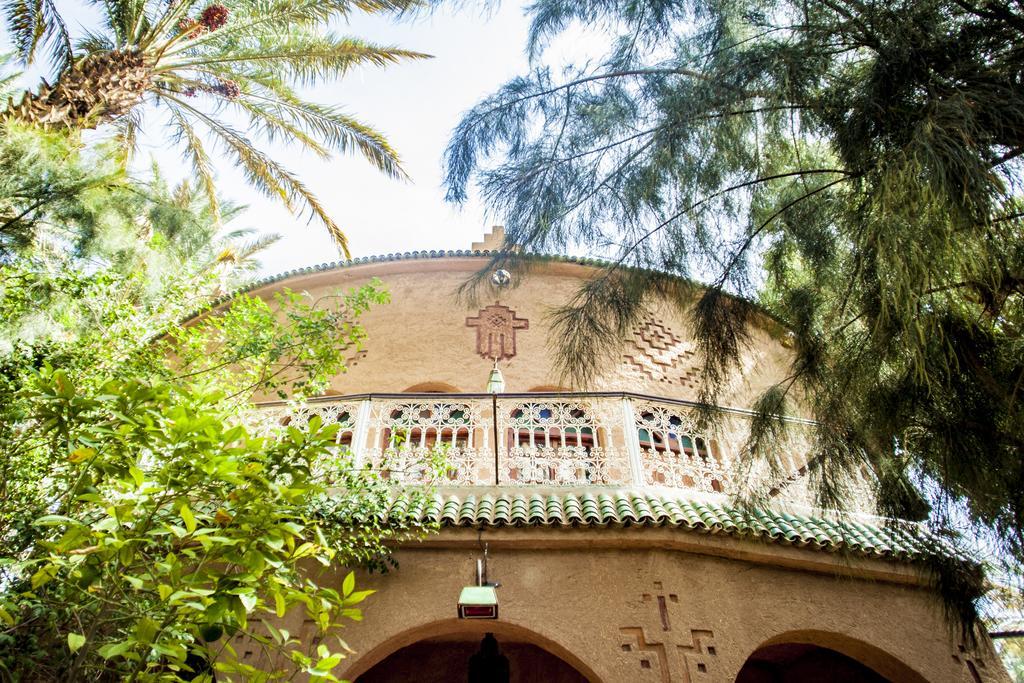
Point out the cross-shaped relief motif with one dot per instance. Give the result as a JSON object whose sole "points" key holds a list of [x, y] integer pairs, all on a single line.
{"points": [[681, 655], [973, 662], [496, 331]]}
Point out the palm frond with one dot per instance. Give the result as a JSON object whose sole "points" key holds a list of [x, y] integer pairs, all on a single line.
{"points": [[7, 80], [268, 121], [269, 176], [197, 155], [36, 23], [344, 133], [252, 21], [94, 42], [304, 58], [123, 18], [166, 23], [277, 112], [128, 134], [245, 251]]}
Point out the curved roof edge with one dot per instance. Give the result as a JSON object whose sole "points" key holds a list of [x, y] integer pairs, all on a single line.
{"points": [[880, 539], [423, 255]]}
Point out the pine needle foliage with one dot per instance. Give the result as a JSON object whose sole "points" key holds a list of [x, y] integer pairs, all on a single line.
{"points": [[209, 67], [853, 167]]}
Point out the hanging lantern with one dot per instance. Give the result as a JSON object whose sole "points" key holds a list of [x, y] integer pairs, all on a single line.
{"points": [[495, 382], [478, 602]]}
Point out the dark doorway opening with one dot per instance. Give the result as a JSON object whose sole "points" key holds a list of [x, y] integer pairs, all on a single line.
{"points": [[797, 662], [446, 660]]}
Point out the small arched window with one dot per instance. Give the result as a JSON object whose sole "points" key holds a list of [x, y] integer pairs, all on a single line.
{"points": [[343, 414], [551, 424], [668, 433], [426, 425], [432, 388]]}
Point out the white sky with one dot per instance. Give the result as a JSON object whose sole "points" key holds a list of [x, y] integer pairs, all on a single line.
{"points": [[415, 104]]}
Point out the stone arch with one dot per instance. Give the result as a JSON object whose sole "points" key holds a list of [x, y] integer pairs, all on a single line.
{"points": [[870, 656], [432, 388], [446, 627]]}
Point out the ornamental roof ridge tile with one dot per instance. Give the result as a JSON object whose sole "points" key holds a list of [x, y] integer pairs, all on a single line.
{"points": [[632, 508]]}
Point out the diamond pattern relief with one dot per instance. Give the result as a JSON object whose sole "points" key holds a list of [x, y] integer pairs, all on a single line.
{"points": [[661, 355]]}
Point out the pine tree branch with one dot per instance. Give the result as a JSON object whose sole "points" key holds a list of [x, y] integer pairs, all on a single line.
{"points": [[732, 188], [589, 79], [753, 235]]}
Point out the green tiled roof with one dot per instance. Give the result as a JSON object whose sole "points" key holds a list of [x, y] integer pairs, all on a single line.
{"points": [[897, 540]]}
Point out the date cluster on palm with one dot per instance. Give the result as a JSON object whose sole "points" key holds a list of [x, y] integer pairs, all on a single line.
{"points": [[98, 88]]}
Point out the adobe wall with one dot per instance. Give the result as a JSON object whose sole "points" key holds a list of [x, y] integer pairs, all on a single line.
{"points": [[422, 336], [644, 613]]}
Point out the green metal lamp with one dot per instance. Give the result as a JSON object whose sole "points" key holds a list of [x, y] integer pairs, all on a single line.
{"points": [[495, 382], [478, 602]]}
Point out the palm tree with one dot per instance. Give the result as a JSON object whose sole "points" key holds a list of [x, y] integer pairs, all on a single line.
{"points": [[206, 66]]}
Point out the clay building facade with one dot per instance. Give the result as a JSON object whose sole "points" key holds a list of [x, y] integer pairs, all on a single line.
{"points": [[607, 515]]}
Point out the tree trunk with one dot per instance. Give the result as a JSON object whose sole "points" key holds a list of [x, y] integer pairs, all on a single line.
{"points": [[98, 88]]}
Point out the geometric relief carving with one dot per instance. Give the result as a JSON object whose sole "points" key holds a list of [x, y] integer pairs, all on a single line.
{"points": [[680, 656], [354, 359], [662, 356], [973, 662], [496, 331]]}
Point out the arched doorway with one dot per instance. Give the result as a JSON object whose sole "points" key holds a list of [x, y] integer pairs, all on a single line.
{"points": [[792, 662], [446, 659], [812, 656], [442, 651]]}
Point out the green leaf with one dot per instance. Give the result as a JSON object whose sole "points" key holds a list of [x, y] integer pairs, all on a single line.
{"points": [[188, 518], [146, 630], [111, 650], [279, 604], [75, 641], [328, 663], [248, 601], [43, 576], [356, 597], [304, 550], [349, 584], [56, 520], [81, 454], [274, 633]]}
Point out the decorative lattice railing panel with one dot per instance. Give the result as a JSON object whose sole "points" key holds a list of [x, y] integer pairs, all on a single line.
{"points": [[345, 414], [676, 452], [564, 466], [565, 440]]}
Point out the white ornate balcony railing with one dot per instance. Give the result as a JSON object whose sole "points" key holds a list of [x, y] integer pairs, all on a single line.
{"points": [[546, 440]]}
